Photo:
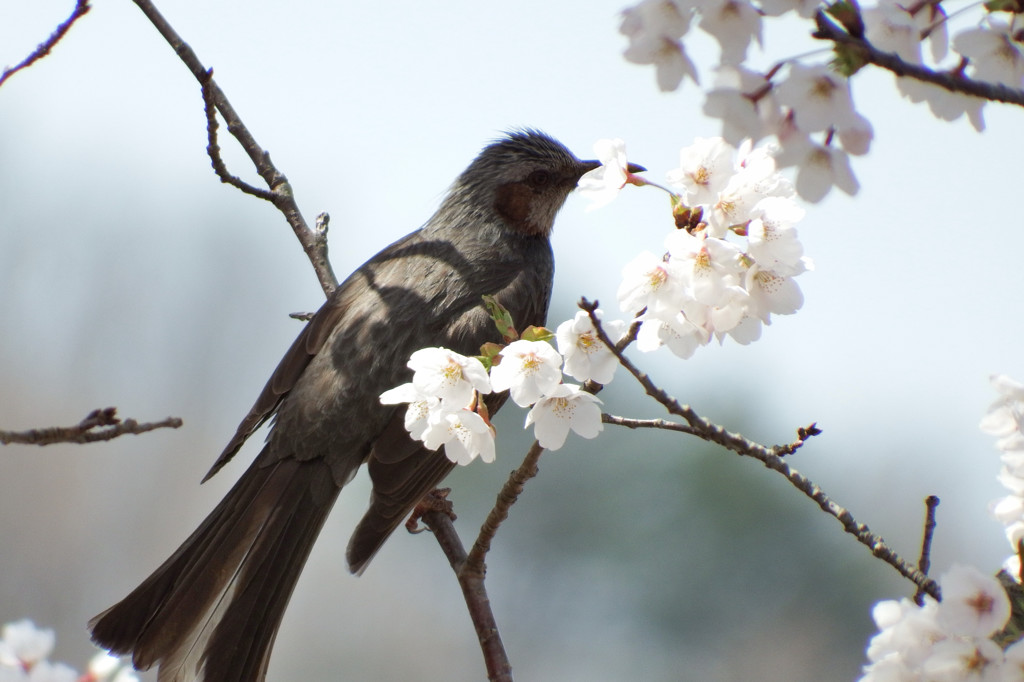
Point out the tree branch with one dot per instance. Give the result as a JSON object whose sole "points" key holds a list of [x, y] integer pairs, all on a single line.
{"points": [[280, 190], [506, 498], [771, 458], [81, 8], [98, 425], [951, 81], [474, 591]]}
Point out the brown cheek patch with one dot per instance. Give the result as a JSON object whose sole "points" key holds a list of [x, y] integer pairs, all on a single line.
{"points": [[512, 202]]}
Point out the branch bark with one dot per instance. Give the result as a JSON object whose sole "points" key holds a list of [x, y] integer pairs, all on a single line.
{"points": [[81, 8], [951, 81], [771, 458], [98, 425], [280, 192]]}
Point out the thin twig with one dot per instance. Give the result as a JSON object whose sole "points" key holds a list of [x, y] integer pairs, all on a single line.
{"points": [[280, 194], [771, 458], [803, 433], [506, 498], [213, 149], [630, 423], [951, 81], [98, 425], [925, 562], [81, 8]]}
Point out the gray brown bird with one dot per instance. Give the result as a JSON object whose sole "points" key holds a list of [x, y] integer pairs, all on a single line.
{"points": [[212, 610]]}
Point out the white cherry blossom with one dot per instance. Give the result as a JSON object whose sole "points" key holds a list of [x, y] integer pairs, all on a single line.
{"points": [[704, 169], [651, 282], [733, 23], [708, 264], [586, 357], [682, 336], [995, 52], [448, 375], [602, 184], [654, 28], [528, 370], [463, 433], [819, 97], [565, 408]]}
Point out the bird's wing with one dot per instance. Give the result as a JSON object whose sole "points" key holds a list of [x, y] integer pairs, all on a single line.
{"points": [[309, 342]]}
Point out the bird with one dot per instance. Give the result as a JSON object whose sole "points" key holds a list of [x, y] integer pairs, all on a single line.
{"points": [[212, 610]]}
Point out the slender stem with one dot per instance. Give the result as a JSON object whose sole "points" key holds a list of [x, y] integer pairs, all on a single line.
{"points": [[771, 458], [81, 8], [280, 194], [925, 562], [98, 425]]}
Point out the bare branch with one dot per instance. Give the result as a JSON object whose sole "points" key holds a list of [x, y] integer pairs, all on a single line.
{"points": [[770, 457], [438, 516], [646, 423], [213, 149], [803, 433], [81, 8], [951, 81], [506, 498], [925, 562], [280, 190], [98, 425]]}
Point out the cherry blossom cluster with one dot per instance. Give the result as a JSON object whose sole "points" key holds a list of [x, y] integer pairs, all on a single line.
{"points": [[445, 396], [949, 640], [991, 51], [24, 649], [952, 639], [808, 108], [1005, 420], [730, 265]]}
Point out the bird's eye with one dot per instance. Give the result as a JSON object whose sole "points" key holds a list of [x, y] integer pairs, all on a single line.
{"points": [[538, 178]]}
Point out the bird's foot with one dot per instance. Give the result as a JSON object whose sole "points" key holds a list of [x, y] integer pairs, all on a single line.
{"points": [[434, 501]]}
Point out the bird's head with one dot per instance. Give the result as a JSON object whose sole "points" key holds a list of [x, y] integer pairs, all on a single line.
{"points": [[523, 179]]}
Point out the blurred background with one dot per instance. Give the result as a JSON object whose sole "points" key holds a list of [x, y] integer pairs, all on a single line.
{"points": [[130, 276]]}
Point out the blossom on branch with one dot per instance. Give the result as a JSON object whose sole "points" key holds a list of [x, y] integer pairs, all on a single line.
{"points": [[947, 640], [704, 169], [818, 97], [708, 264], [995, 53], [733, 23], [528, 370], [682, 335], [463, 433], [602, 184], [652, 282], [24, 649], [1005, 420], [586, 357], [565, 408], [448, 375], [654, 29], [745, 103], [421, 407], [819, 168]]}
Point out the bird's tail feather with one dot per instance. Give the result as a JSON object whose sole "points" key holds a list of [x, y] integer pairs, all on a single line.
{"points": [[212, 610]]}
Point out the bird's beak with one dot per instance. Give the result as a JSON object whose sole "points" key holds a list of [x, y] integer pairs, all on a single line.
{"points": [[591, 164]]}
